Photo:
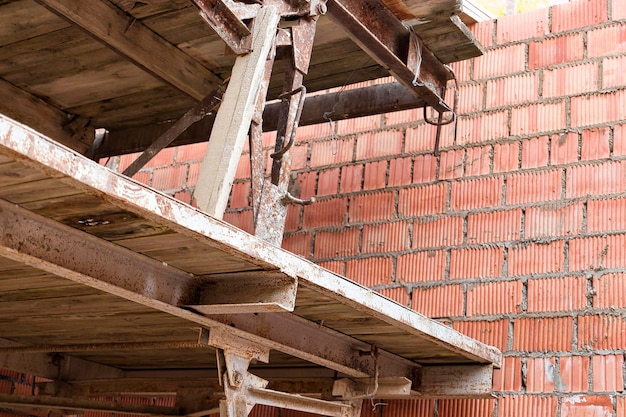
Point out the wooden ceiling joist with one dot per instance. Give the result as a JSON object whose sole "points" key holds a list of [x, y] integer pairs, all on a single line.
{"points": [[137, 43], [69, 130]]}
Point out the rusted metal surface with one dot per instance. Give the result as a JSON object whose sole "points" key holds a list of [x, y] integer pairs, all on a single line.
{"points": [[25, 145], [226, 24], [204, 108], [385, 38], [272, 207], [301, 91], [292, 103], [239, 339], [270, 220], [250, 292], [244, 390], [341, 352], [257, 160], [82, 254], [346, 104], [383, 388], [299, 403]]}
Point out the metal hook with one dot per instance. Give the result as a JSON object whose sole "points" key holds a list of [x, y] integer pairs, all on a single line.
{"points": [[278, 155]]}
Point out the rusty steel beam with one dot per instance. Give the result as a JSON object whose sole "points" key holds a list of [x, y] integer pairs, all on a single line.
{"points": [[107, 267], [60, 403], [342, 105], [226, 24], [28, 147], [374, 27]]}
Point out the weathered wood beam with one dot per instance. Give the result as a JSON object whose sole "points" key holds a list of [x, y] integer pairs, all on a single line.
{"points": [[137, 43], [233, 119], [374, 27], [45, 118], [347, 104]]}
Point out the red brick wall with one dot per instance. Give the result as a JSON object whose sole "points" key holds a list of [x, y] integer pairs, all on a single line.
{"points": [[514, 234]]}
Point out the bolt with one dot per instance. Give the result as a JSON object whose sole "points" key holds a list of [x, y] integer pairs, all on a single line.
{"points": [[237, 378], [321, 8]]}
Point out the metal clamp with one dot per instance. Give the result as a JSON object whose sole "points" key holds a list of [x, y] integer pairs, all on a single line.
{"points": [[440, 121]]}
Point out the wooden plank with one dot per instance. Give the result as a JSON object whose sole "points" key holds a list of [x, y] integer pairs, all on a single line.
{"points": [[110, 80], [33, 191], [43, 292], [30, 53], [419, 9], [137, 108], [25, 19], [233, 118], [137, 43], [140, 9], [41, 116], [453, 40]]}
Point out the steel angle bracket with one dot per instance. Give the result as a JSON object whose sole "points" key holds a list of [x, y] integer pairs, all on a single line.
{"points": [[243, 390]]}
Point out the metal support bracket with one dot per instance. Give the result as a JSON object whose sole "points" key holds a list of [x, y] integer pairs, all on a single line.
{"points": [[272, 205], [248, 292], [243, 390]]}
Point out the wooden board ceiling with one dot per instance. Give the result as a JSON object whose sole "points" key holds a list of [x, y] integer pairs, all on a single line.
{"points": [[91, 258], [145, 62]]}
